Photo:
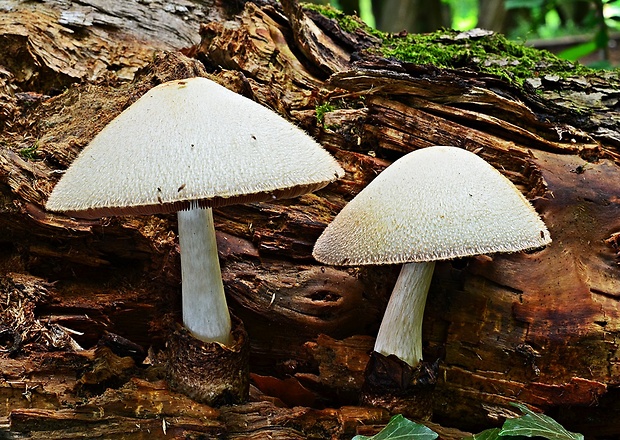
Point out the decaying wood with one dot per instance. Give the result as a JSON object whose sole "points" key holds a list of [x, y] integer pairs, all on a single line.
{"points": [[208, 372], [50, 46], [83, 302]]}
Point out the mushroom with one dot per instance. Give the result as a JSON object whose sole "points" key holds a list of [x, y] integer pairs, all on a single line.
{"points": [[432, 204], [187, 146]]}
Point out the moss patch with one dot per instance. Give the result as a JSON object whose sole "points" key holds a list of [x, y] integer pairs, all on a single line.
{"points": [[493, 54], [30, 153], [449, 49], [322, 109], [348, 23]]}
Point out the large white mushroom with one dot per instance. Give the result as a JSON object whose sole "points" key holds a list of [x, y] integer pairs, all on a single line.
{"points": [[436, 203], [186, 146]]}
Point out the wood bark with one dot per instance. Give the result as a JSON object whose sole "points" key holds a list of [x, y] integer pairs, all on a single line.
{"points": [[83, 302]]}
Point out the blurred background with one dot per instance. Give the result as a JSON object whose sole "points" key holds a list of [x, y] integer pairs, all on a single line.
{"points": [[578, 30]]}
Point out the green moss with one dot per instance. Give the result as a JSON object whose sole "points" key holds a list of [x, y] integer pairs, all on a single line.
{"points": [[492, 54], [30, 153], [348, 23], [322, 109]]}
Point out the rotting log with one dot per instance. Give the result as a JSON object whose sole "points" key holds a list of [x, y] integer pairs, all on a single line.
{"points": [[84, 300]]}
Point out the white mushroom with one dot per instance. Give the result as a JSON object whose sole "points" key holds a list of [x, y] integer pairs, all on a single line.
{"points": [[432, 204], [187, 146]]}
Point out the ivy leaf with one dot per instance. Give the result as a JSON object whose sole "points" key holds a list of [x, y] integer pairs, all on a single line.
{"points": [[533, 424], [400, 428]]}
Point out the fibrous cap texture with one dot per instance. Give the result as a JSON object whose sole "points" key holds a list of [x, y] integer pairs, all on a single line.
{"points": [[432, 204], [186, 143]]}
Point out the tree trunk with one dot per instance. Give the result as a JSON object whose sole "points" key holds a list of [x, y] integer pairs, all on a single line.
{"points": [[411, 16], [84, 302], [491, 15]]}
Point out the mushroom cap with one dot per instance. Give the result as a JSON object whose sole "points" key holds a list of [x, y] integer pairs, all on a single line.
{"points": [[432, 204], [191, 143]]}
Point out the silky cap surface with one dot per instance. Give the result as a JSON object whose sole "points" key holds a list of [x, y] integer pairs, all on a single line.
{"points": [[432, 204], [191, 142]]}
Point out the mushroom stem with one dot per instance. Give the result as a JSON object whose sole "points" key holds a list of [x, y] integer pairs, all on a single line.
{"points": [[400, 332], [205, 312]]}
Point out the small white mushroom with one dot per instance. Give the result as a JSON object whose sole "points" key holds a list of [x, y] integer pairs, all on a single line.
{"points": [[187, 146], [432, 204]]}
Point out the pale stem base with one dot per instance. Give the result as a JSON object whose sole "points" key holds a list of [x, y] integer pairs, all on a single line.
{"points": [[400, 332], [205, 312]]}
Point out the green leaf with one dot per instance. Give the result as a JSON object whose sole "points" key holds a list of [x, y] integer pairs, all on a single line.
{"points": [[399, 428], [534, 424], [488, 434], [600, 65], [578, 51]]}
